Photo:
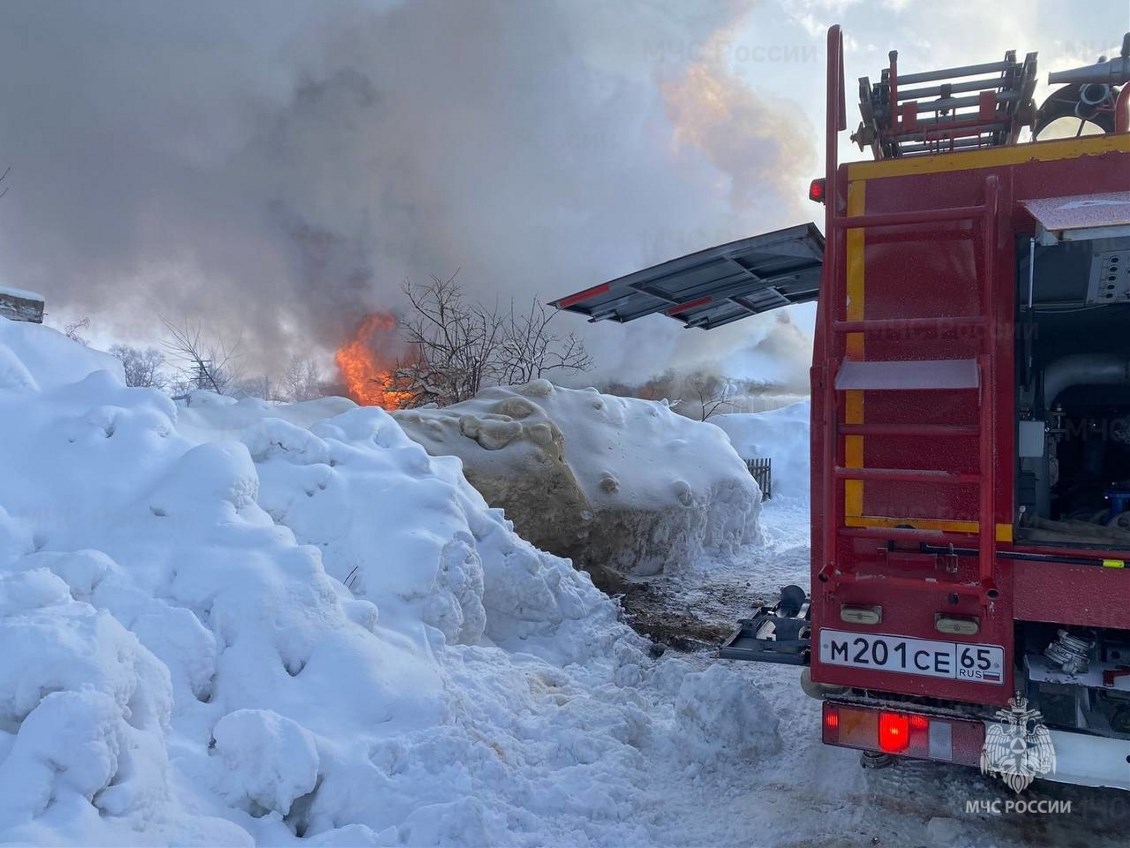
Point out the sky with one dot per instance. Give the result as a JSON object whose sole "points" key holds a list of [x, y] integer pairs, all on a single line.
{"points": [[274, 170]]}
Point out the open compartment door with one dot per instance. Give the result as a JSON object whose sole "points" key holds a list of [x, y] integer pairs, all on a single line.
{"points": [[714, 286], [1083, 255], [1081, 217]]}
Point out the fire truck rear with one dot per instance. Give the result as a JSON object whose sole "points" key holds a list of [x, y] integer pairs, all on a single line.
{"points": [[970, 417]]}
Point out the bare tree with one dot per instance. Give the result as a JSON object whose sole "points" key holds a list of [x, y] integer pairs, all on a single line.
{"points": [[453, 345], [205, 363], [457, 347], [301, 380], [529, 349], [3, 177], [71, 330], [142, 366], [258, 387], [712, 393]]}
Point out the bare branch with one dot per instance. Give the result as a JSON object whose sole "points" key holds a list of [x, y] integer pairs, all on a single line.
{"points": [[712, 392], [71, 330], [205, 364], [301, 380], [142, 367], [457, 347]]}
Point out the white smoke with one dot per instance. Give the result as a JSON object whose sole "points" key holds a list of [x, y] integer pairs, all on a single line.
{"points": [[275, 170]]}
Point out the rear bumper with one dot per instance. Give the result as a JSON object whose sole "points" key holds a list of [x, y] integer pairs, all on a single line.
{"points": [[1080, 759], [1090, 760]]}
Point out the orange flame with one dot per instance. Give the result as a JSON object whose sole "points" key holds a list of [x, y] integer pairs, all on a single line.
{"points": [[369, 376]]}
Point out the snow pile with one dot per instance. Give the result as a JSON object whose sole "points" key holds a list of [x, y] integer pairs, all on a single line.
{"points": [[258, 623], [613, 483], [84, 707], [780, 434]]}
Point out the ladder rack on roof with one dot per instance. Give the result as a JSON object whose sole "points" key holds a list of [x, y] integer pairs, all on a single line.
{"points": [[931, 116]]}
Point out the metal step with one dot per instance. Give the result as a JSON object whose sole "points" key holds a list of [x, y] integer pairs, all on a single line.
{"points": [[776, 634], [898, 219], [908, 429], [880, 325], [909, 475], [910, 534]]}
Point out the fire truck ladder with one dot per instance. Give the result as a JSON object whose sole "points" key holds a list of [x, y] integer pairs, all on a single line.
{"points": [[986, 215], [895, 121]]}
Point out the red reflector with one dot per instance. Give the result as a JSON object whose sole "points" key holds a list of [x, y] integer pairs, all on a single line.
{"points": [[573, 299], [816, 190], [894, 732], [918, 722], [831, 732]]}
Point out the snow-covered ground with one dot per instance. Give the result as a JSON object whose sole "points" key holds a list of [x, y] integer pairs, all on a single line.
{"points": [[234, 623], [813, 795], [780, 434]]}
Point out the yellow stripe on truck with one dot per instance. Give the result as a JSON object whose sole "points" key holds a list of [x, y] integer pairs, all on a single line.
{"points": [[853, 400], [996, 157]]}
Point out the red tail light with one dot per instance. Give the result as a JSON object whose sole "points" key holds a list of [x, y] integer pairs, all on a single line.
{"points": [[831, 724], [894, 732], [951, 740], [816, 190]]}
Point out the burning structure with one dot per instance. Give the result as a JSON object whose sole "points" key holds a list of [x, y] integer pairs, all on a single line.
{"points": [[368, 362]]}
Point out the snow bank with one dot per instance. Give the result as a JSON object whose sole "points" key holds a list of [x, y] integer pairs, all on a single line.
{"points": [[781, 434], [614, 483], [234, 623]]}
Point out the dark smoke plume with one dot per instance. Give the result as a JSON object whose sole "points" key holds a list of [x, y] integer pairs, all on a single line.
{"points": [[275, 170]]}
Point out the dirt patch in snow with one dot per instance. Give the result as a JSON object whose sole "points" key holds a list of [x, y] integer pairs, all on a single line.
{"points": [[694, 609], [661, 612]]}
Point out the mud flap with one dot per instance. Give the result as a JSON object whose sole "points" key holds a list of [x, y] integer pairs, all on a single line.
{"points": [[777, 634]]}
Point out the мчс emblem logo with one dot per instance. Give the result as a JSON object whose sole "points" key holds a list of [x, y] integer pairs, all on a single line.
{"points": [[1019, 748]]}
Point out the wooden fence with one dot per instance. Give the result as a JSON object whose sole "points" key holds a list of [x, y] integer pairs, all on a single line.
{"points": [[762, 471]]}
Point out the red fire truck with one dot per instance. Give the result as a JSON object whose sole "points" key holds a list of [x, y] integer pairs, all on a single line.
{"points": [[970, 415]]}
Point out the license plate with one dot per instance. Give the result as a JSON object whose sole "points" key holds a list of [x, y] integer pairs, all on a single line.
{"points": [[904, 655]]}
